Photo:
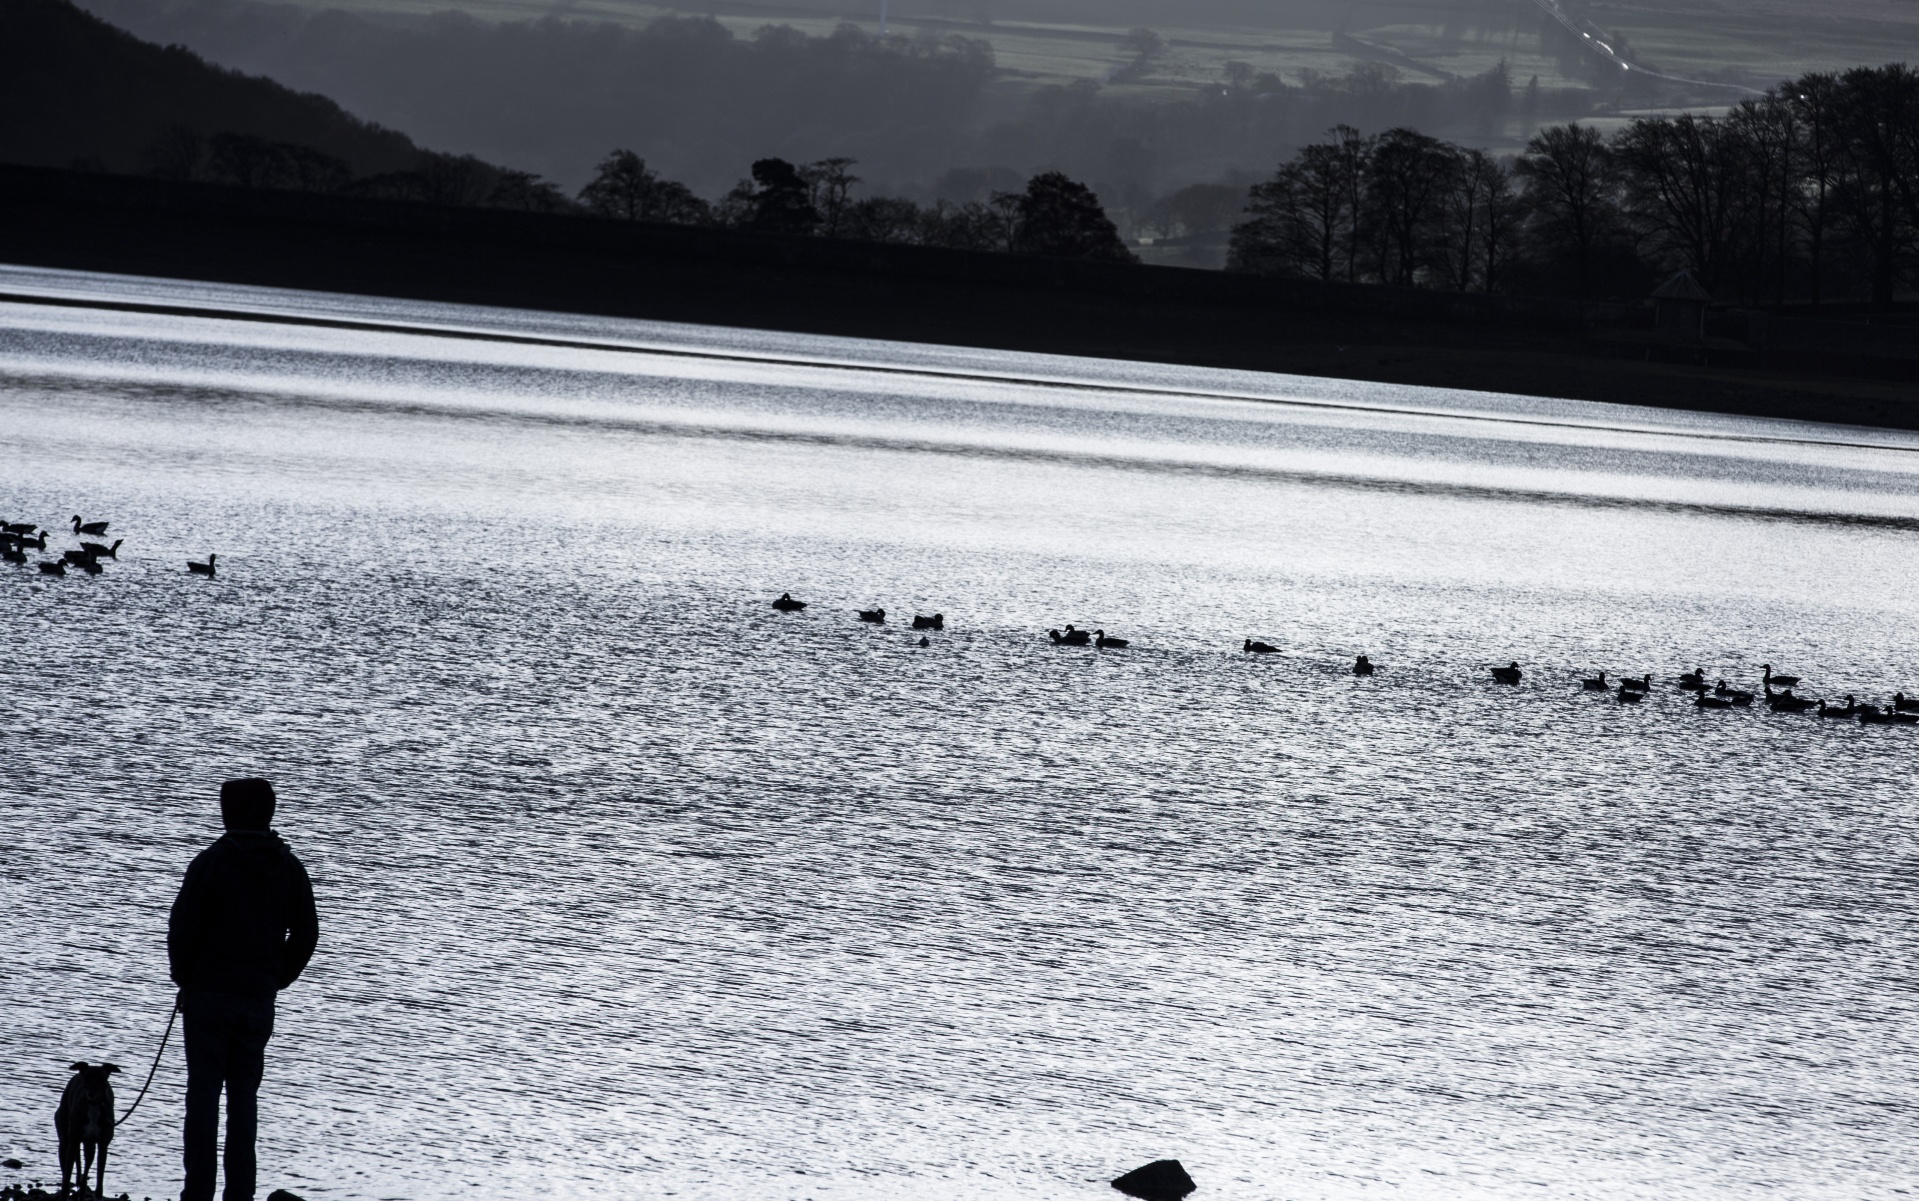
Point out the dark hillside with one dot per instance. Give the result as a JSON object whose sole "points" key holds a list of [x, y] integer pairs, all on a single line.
{"points": [[77, 91]]}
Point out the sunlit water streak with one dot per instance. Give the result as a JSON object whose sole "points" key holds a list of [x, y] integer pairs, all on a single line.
{"points": [[632, 886]]}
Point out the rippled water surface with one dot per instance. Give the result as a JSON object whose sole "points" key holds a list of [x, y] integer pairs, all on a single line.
{"points": [[631, 886]]}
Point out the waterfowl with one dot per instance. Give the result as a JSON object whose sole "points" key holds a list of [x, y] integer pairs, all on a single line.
{"points": [[876, 616], [1101, 641], [1702, 701], [1071, 637], [936, 622], [1642, 684], [1695, 680], [1786, 702], [77, 557], [99, 551], [1851, 709], [91, 565], [1901, 703], [785, 603], [1782, 681], [96, 528], [1872, 715], [1259, 648], [1722, 689], [1362, 666], [13, 554], [53, 568], [1629, 696], [36, 543], [924, 641], [1595, 685], [22, 528], [1739, 698], [205, 569], [1509, 674]]}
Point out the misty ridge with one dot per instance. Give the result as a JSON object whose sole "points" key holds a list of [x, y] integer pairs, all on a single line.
{"points": [[926, 115]]}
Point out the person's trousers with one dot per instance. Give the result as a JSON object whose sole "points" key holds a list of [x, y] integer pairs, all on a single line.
{"points": [[226, 1038]]}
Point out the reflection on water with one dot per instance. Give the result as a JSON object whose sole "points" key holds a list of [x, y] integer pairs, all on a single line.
{"points": [[631, 884]]}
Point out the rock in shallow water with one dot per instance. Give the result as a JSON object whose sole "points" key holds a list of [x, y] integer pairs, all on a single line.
{"points": [[1161, 1180]]}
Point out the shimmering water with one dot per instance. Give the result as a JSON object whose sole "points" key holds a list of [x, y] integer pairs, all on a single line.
{"points": [[631, 886]]}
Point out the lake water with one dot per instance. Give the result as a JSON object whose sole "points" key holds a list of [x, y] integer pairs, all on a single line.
{"points": [[631, 886]]}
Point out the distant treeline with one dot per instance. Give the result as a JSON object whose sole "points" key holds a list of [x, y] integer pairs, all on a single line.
{"points": [[1808, 193], [695, 99]]}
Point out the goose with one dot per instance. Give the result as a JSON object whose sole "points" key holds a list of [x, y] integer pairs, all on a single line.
{"points": [[1702, 701], [1255, 647], [100, 551], [53, 567], [1723, 689], [1872, 715], [1629, 696], [205, 569], [1903, 719], [936, 622], [1694, 680], [77, 557], [1071, 637], [876, 616], [1901, 703], [1596, 685], [1509, 674], [1851, 709], [1782, 681], [1362, 666], [90, 565], [1101, 641], [13, 554], [786, 603], [96, 528], [1739, 697], [31, 543], [1786, 702], [22, 528], [1642, 684]]}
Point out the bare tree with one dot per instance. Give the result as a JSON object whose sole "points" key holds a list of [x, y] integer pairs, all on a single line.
{"points": [[1570, 188], [625, 187], [830, 185]]}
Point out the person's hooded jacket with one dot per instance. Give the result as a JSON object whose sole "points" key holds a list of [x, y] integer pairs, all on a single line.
{"points": [[244, 921]]}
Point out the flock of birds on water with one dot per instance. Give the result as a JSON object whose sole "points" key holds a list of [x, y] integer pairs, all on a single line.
{"points": [[19, 537], [1900, 711]]}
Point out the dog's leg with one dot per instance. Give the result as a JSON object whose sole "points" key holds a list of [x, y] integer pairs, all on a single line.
{"points": [[100, 1180]]}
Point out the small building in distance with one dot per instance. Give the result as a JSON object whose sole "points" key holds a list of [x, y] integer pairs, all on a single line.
{"points": [[1679, 309]]}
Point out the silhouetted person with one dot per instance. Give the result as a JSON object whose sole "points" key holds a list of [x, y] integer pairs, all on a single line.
{"points": [[243, 927]]}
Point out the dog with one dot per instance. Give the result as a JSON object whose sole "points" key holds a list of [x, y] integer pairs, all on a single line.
{"points": [[84, 1123]]}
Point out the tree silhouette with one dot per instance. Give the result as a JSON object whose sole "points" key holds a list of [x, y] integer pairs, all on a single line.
{"points": [[1568, 173], [623, 186], [780, 200], [1062, 218]]}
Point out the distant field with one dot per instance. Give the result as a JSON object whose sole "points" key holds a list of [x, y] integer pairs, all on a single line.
{"points": [[1756, 42]]}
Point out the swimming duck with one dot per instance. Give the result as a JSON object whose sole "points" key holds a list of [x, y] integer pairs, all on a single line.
{"points": [[1362, 666], [1851, 709], [90, 565], [876, 616], [12, 553], [1782, 681], [936, 622], [205, 569], [1071, 637], [1872, 715], [53, 567], [1595, 685], [1629, 696], [1101, 641], [21, 528], [1901, 703], [1694, 680], [1259, 648], [1642, 684], [1702, 701], [77, 557], [101, 551], [924, 641], [1509, 674], [96, 528], [786, 603]]}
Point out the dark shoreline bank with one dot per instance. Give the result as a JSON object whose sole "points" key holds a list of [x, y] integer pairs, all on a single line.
{"points": [[1849, 373]]}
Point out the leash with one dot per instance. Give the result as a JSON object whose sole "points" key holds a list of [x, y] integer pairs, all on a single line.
{"points": [[156, 1064]]}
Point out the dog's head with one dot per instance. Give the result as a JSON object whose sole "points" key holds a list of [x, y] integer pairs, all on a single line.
{"points": [[93, 1077]]}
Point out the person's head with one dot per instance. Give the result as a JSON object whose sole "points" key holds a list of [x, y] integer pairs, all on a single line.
{"points": [[247, 804]]}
